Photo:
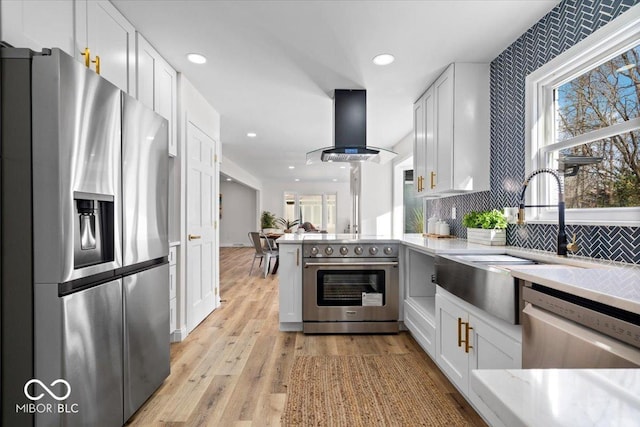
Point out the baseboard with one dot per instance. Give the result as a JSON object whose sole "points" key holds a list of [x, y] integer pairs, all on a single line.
{"points": [[178, 335]]}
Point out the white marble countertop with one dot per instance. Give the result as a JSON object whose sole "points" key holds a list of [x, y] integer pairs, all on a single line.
{"points": [[615, 286], [417, 241], [561, 397], [290, 238]]}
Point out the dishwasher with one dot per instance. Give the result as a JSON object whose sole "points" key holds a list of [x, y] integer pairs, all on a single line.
{"points": [[561, 330]]}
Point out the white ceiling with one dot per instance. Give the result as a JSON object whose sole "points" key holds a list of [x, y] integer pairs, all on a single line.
{"points": [[272, 65]]}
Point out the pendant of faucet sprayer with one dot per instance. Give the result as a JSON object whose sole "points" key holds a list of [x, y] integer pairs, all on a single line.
{"points": [[562, 236]]}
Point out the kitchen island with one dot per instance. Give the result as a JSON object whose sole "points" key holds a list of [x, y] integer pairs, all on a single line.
{"points": [[507, 396]]}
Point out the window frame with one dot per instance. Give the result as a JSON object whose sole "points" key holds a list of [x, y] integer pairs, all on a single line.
{"points": [[325, 204], [617, 36]]}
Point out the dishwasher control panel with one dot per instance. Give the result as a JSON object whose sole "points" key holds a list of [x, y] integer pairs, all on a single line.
{"points": [[594, 318]]}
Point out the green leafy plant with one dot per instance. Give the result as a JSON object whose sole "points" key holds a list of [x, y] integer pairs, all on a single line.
{"points": [[484, 219], [286, 223], [267, 220], [417, 220]]}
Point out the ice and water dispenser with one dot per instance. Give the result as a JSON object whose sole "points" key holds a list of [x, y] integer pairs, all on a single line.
{"points": [[93, 230]]}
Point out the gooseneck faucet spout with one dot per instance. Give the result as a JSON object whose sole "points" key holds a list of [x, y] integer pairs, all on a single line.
{"points": [[562, 236]]}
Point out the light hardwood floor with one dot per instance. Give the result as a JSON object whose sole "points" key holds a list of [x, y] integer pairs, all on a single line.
{"points": [[232, 369]]}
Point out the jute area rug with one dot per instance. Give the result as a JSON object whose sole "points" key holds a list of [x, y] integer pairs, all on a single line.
{"points": [[366, 390]]}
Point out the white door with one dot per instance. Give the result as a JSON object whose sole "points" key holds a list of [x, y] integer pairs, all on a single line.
{"points": [[201, 242]]}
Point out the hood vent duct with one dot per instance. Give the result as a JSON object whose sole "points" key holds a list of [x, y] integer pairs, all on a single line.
{"points": [[349, 132]]}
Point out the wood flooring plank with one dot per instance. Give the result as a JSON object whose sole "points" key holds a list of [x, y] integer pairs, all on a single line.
{"points": [[232, 370]]}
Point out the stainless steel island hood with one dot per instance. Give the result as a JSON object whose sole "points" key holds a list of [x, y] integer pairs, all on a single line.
{"points": [[350, 132]]}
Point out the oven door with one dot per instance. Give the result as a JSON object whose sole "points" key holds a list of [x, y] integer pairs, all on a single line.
{"points": [[350, 290]]}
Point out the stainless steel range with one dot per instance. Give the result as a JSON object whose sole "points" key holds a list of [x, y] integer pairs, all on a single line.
{"points": [[350, 287]]}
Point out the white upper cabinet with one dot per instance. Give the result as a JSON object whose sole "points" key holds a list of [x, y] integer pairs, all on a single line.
{"points": [[37, 24], [419, 144], [109, 37], [454, 149], [157, 86]]}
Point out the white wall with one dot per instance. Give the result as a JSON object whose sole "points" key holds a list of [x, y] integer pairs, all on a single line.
{"points": [[238, 213], [234, 171], [401, 162], [375, 199], [273, 197]]}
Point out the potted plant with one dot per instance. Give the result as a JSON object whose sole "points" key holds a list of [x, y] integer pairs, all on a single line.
{"points": [[287, 224], [267, 221], [486, 227]]}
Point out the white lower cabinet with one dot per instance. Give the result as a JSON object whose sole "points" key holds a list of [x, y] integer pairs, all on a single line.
{"points": [[290, 287], [420, 322], [467, 338]]}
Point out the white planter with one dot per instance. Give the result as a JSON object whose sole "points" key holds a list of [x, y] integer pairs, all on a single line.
{"points": [[491, 237]]}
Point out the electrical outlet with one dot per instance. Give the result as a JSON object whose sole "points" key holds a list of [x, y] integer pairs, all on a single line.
{"points": [[453, 212]]}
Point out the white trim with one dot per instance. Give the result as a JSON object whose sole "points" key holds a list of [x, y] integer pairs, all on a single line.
{"points": [[607, 42]]}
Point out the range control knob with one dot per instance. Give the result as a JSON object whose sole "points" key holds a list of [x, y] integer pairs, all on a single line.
{"points": [[373, 250], [388, 250], [358, 250], [328, 250], [314, 250], [343, 250]]}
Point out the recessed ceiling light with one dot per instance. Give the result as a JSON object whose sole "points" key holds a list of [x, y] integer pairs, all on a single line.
{"points": [[196, 58], [383, 59], [252, 134], [292, 167], [229, 179], [335, 180], [343, 167], [297, 179]]}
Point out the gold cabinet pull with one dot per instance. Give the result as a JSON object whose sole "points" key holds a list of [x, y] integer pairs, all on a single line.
{"points": [[433, 177], [97, 62], [87, 57], [298, 256], [460, 322], [194, 237], [466, 338]]}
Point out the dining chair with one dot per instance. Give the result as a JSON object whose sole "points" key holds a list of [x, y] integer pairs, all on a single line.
{"points": [[272, 252], [264, 253]]}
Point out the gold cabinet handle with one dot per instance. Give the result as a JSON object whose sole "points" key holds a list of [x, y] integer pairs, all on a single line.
{"points": [[466, 338], [460, 322], [298, 256], [433, 177], [97, 62], [194, 237], [87, 57]]}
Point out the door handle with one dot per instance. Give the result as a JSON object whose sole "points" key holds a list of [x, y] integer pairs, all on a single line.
{"points": [[297, 256], [194, 237], [433, 176], [460, 322]]}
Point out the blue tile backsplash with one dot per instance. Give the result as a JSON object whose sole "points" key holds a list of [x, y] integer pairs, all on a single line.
{"points": [[568, 23]]}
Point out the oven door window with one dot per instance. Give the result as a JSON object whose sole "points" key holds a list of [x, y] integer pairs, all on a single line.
{"points": [[351, 288]]}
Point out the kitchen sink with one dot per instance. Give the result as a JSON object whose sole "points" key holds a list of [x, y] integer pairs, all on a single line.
{"points": [[485, 281]]}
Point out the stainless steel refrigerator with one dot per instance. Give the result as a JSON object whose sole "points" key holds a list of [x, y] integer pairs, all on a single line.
{"points": [[85, 293]]}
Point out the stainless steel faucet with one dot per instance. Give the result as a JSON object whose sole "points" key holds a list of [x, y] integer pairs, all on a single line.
{"points": [[562, 245]]}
